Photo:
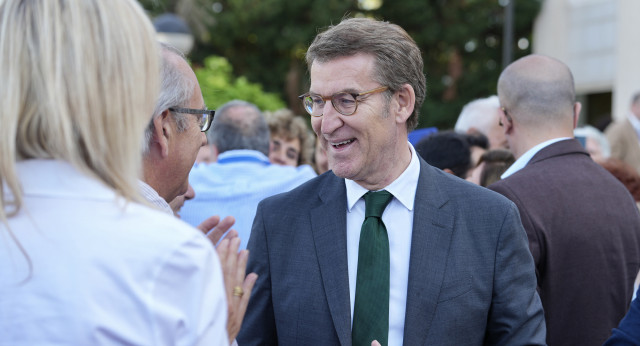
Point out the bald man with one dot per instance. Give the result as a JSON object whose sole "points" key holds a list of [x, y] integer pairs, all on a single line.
{"points": [[582, 224]]}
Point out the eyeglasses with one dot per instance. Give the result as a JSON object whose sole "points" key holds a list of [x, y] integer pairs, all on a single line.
{"points": [[205, 114], [343, 102]]}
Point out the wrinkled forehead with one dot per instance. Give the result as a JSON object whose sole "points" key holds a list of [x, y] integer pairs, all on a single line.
{"points": [[343, 73]]}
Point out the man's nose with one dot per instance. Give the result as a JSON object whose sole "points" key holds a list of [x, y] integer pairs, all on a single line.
{"points": [[190, 194], [278, 157], [331, 119]]}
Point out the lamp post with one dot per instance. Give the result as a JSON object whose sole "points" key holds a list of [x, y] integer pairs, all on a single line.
{"points": [[507, 34], [174, 31]]}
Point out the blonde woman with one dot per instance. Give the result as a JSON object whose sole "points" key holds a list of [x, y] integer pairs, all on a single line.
{"points": [[83, 261]]}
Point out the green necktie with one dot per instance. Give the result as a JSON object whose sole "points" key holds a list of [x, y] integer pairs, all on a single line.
{"points": [[371, 308]]}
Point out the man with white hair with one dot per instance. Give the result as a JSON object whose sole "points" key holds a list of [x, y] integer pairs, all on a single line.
{"points": [[172, 140], [481, 115], [595, 142]]}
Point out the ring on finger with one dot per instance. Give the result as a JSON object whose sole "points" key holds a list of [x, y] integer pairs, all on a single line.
{"points": [[238, 291]]}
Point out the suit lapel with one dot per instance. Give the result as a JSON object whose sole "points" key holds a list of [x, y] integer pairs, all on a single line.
{"points": [[329, 224], [430, 241]]}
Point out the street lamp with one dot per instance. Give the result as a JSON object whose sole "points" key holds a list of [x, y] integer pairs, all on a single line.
{"points": [[174, 31], [507, 32]]}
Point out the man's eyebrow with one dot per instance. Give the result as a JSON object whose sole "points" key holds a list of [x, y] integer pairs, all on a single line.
{"points": [[346, 90]]}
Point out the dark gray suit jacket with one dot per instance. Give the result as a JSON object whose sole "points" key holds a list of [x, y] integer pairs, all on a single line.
{"points": [[584, 233], [471, 276]]}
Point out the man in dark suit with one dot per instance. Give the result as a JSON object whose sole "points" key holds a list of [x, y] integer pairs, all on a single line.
{"points": [[446, 263], [582, 224]]}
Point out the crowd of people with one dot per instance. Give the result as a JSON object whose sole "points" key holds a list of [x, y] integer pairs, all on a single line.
{"points": [[513, 228]]}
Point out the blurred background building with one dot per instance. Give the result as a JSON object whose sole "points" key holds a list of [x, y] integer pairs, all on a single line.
{"points": [[598, 39]]}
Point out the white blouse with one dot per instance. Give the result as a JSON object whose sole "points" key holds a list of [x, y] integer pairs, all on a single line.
{"points": [[97, 270]]}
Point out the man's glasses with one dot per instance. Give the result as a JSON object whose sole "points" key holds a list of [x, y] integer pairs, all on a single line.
{"points": [[205, 115], [343, 102]]}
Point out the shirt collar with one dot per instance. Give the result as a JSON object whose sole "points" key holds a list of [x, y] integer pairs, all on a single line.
{"points": [[635, 122], [243, 155], [152, 196], [403, 188], [523, 160]]}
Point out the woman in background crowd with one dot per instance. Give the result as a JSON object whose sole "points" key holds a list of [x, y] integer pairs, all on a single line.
{"points": [[490, 166], [291, 140]]}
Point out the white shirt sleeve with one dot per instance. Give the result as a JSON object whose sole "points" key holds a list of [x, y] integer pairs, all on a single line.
{"points": [[188, 297]]}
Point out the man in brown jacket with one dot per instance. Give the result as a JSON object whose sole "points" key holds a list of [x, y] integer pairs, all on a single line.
{"points": [[583, 225]]}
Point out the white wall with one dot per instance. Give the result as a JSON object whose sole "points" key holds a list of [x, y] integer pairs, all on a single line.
{"points": [[627, 79], [598, 40]]}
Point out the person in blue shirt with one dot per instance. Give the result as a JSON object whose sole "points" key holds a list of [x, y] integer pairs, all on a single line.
{"points": [[242, 175]]}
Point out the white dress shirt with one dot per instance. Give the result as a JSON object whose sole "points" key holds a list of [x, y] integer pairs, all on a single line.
{"points": [[153, 197], [81, 266], [398, 219], [528, 155]]}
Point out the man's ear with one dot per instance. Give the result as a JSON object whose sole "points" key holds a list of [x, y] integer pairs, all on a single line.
{"points": [[163, 132], [447, 170], [576, 113], [505, 120], [405, 102]]}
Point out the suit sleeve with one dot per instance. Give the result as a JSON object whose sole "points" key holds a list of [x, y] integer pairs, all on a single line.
{"points": [[516, 316], [258, 326], [628, 332]]}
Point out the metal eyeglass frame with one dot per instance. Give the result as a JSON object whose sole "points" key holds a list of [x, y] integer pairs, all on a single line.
{"points": [[207, 115]]}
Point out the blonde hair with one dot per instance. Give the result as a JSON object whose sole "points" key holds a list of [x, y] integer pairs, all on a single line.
{"points": [[80, 79], [285, 124]]}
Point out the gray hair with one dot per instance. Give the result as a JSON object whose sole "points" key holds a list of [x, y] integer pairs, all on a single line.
{"points": [[176, 89], [239, 125], [589, 131], [480, 114], [398, 58]]}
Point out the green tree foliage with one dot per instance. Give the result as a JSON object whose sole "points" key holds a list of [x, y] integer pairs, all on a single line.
{"points": [[219, 86], [461, 41], [199, 14], [265, 40]]}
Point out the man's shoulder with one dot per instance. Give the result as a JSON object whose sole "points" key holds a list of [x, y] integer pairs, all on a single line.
{"points": [[250, 170], [308, 190], [456, 196], [616, 128], [565, 175], [160, 226], [304, 172], [617, 124]]}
